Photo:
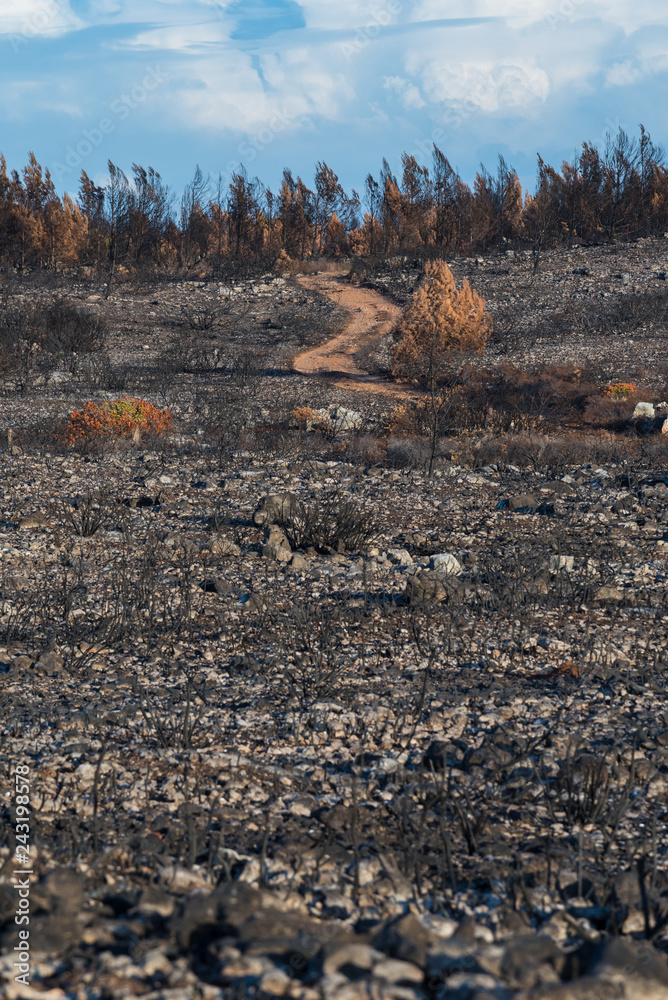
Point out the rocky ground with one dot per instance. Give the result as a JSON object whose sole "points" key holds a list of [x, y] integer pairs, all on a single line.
{"points": [[383, 735]]}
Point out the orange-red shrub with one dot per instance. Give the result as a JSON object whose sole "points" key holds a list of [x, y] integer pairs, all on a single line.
{"points": [[620, 390], [117, 418]]}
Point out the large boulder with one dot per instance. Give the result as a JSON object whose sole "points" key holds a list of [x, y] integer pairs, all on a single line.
{"points": [[562, 564], [339, 418], [278, 507], [521, 502], [400, 557], [445, 563], [276, 546], [644, 411]]}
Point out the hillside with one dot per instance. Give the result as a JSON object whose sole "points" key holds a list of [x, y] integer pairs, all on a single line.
{"points": [[389, 735]]}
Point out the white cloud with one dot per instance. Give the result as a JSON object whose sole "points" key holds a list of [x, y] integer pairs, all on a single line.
{"points": [[232, 93], [490, 88], [622, 73], [219, 94], [313, 76], [489, 68], [407, 92], [36, 18], [180, 38]]}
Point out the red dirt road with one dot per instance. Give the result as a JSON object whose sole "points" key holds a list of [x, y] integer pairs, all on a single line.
{"points": [[371, 316]]}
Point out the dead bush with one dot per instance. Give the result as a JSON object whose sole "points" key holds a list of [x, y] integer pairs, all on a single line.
{"points": [[192, 356], [34, 339], [634, 311], [86, 514], [201, 316], [407, 452], [332, 522], [608, 412], [365, 449], [45, 435]]}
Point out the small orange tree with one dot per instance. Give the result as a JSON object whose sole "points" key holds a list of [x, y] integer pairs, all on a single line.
{"points": [[441, 324]]}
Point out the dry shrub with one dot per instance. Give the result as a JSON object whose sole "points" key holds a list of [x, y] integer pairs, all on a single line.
{"points": [[308, 419], [44, 435], [609, 412], [409, 419], [555, 454], [646, 310], [407, 452], [556, 395], [201, 316], [304, 415], [471, 451], [463, 407], [117, 418], [86, 514], [333, 521], [285, 264], [517, 407], [365, 449], [35, 338]]}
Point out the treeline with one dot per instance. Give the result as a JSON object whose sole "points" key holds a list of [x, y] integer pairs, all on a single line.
{"points": [[136, 222]]}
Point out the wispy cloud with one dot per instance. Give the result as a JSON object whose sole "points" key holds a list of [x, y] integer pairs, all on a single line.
{"points": [[36, 18], [186, 38], [622, 73]]}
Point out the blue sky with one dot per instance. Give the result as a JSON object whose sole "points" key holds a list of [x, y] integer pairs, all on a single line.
{"points": [[274, 83]]}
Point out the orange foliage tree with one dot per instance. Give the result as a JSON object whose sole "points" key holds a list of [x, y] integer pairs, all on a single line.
{"points": [[441, 324]]}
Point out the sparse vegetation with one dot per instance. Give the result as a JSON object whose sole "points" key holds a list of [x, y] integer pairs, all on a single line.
{"points": [[35, 339]]}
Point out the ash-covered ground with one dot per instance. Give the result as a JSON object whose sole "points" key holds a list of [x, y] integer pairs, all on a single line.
{"points": [[384, 735]]}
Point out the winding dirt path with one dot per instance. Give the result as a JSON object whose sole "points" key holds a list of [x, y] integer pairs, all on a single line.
{"points": [[371, 316]]}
